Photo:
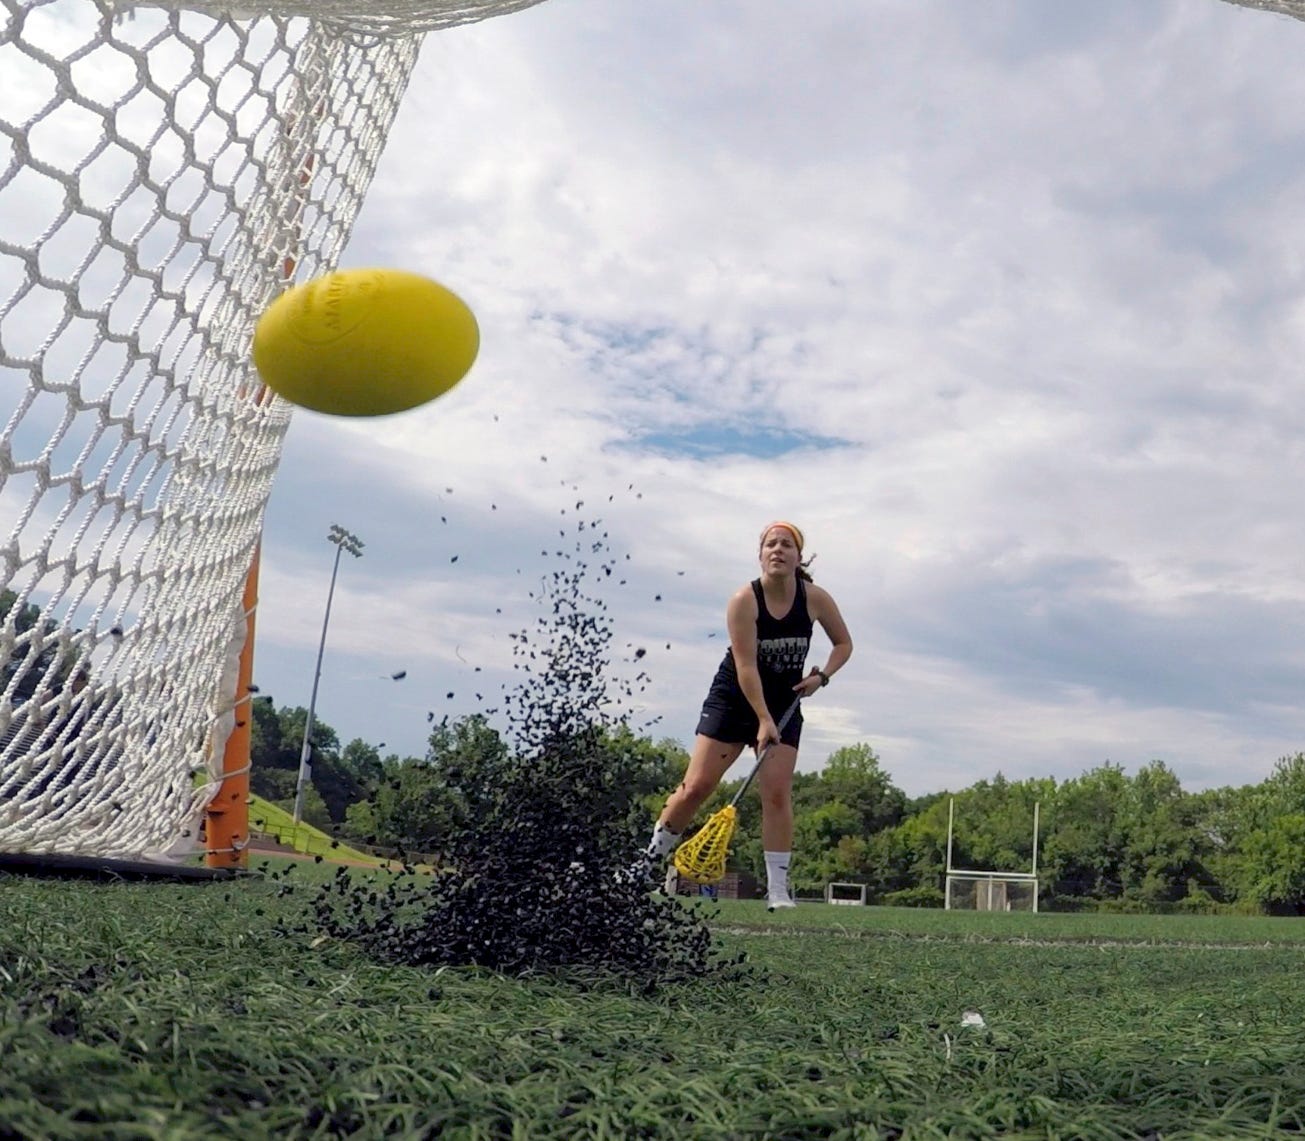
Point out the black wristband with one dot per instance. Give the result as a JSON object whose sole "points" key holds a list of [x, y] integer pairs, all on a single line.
{"points": [[824, 677]]}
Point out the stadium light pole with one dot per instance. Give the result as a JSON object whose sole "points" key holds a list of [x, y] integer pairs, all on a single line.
{"points": [[343, 541]]}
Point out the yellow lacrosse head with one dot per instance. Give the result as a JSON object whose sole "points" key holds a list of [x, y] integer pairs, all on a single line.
{"points": [[701, 858]]}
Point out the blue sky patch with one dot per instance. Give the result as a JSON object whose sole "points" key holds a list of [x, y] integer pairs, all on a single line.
{"points": [[723, 440]]}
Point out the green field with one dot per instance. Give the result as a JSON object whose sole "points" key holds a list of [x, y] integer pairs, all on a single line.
{"points": [[132, 1010]]}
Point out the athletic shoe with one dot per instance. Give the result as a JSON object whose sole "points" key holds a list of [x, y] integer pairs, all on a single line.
{"points": [[779, 904]]}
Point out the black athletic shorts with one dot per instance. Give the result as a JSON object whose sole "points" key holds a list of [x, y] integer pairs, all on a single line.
{"points": [[734, 722]]}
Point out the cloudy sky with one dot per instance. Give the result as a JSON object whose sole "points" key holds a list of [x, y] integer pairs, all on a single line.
{"points": [[1002, 303]]}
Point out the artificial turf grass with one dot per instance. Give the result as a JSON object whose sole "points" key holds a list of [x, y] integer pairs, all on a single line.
{"points": [[177, 1010], [1017, 926]]}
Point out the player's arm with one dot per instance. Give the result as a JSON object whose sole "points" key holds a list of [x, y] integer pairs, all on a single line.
{"points": [[824, 610]]}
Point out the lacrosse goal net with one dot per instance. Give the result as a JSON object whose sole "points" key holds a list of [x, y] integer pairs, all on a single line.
{"points": [[853, 894], [991, 891], [165, 171]]}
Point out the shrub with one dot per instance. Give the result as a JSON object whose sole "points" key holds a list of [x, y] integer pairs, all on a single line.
{"points": [[914, 897]]}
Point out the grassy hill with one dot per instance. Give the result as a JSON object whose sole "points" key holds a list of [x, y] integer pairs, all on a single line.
{"points": [[267, 818]]}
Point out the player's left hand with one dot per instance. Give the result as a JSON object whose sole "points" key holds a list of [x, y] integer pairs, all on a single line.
{"points": [[808, 685]]}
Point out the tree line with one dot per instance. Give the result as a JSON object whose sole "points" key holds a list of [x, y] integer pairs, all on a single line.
{"points": [[1107, 839]]}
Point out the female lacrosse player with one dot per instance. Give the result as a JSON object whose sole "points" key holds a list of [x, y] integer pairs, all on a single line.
{"points": [[770, 623]]}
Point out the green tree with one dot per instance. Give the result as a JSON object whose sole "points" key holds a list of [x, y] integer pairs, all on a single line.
{"points": [[817, 834], [470, 759], [267, 746], [1236, 826], [1162, 853], [658, 768], [412, 807], [314, 810], [277, 735], [1275, 865], [293, 720], [1284, 791], [47, 665], [854, 777], [1085, 847], [347, 777], [276, 785], [994, 823], [927, 843], [275, 748], [1221, 820], [887, 863]]}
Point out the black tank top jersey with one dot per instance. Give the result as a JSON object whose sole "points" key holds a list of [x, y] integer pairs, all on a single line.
{"points": [[782, 645]]}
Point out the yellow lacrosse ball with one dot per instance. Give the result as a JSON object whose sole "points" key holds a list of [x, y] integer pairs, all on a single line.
{"points": [[365, 342]]}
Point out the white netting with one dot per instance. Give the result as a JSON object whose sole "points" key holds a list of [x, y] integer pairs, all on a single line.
{"points": [[159, 178], [351, 17], [992, 891], [1293, 8]]}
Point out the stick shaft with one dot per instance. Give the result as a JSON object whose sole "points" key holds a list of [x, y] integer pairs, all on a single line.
{"points": [[783, 721]]}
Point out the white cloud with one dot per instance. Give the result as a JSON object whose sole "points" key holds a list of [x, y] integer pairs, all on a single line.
{"points": [[1038, 269]]}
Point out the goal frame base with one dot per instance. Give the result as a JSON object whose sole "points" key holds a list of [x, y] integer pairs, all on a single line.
{"points": [[54, 865], [857, 900]]}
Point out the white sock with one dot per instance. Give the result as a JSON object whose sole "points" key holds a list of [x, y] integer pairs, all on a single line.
{"points": [[663, 842], [777, 875]]}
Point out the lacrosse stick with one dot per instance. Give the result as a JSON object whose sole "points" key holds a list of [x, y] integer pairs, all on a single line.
{"points": [[701, 858]]}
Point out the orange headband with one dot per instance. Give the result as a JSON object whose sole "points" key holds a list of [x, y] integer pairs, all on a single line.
{"points": [[789, 527]]}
